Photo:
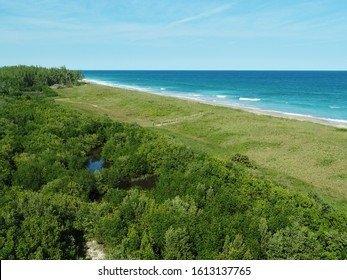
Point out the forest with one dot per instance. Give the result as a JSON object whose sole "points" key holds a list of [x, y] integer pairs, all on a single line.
{"points": [[154, 199], [16, 80]]}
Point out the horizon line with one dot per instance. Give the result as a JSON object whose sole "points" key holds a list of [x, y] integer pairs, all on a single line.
{"points": [[279, 70]]}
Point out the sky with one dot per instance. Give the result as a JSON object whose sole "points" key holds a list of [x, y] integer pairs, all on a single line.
{"points": [[175, 34]]}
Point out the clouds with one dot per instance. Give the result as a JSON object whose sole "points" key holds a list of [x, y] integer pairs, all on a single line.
{"points": [[224, 31], [202, 15], [144, 19]]}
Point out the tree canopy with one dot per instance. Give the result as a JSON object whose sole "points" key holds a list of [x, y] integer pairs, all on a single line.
{"points": [[157, 199], [14, 80]]}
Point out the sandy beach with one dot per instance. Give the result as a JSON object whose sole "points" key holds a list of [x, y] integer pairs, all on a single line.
{"points": [[294, 117], [250, 110]]}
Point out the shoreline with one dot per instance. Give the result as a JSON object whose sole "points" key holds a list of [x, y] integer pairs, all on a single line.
{"points": [[259, 112]]}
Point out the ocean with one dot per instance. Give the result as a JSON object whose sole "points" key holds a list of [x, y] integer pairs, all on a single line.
{"points": [[314, 94]]}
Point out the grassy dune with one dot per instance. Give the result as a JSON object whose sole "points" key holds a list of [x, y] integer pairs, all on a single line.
{"points": [[296, 154]]}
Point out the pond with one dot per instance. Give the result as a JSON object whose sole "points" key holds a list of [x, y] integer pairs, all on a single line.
{"points": [[96, 165], [95, 162]]}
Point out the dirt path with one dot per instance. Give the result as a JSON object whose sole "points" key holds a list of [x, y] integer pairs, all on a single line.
{"points": [[180, 119], [76, 102]]}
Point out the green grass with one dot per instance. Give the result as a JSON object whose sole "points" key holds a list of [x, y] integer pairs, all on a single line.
{"points": [[299, 155]]}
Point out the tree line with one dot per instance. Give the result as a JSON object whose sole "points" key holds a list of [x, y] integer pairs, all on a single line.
{"points": [[157, 199], [14, 80]]}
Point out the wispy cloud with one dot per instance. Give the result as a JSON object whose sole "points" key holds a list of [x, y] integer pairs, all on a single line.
{"points": [[121, 28], [206, 14]]}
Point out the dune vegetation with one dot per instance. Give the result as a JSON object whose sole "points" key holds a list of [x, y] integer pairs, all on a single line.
{"points": [[298, 155]]}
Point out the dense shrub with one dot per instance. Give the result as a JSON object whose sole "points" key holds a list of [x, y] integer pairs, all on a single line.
{"points": [[16, 80], [191, 207]]}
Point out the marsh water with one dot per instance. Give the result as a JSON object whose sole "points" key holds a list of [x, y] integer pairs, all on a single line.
{"points": [[95, 161], [96, 165]]}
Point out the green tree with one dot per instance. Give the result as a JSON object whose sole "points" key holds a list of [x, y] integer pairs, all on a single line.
{"points": [[177, 245], [296, 242], [146, 251], [235, 250]]}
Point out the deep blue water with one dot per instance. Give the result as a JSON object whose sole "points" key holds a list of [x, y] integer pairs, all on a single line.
{"points": [[319, 94]]}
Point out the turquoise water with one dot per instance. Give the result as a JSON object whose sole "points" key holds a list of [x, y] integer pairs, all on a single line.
{"points": [[316, 94]]}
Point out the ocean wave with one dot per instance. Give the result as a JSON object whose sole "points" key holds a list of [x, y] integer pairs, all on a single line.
{"points": [[249, 99], [296, 114], [162, 88], [110, 84], [97, 82], [334, 107], [191, 98], [136, 88], [334, 120], [221, 96], [331, 120]]}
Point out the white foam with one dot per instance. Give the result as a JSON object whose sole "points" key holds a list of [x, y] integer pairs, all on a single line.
{"points": [[109, 84], [221, 96], [249, 99], [334, 120], [191, 98], [308, 116], [103, 83], [162, 88], [297, 115]]}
